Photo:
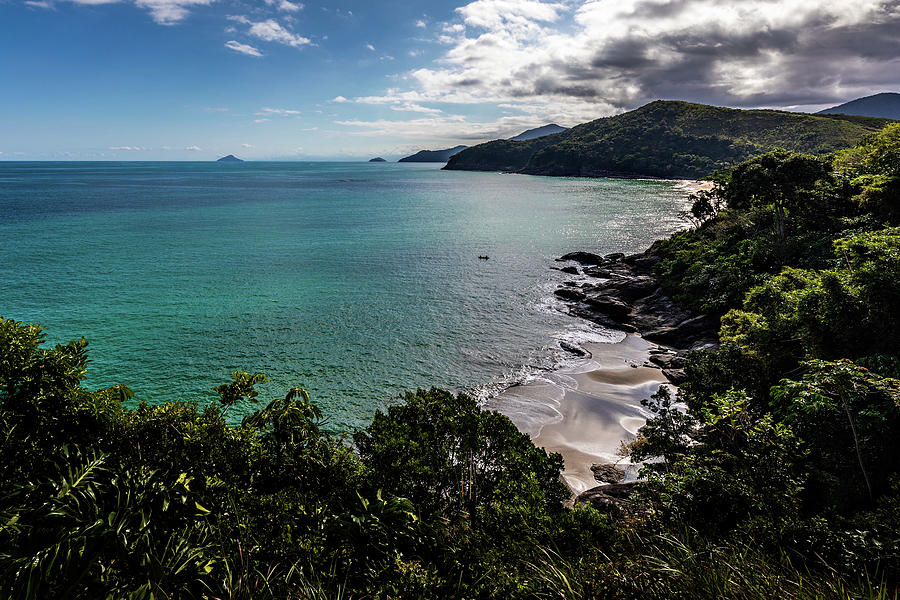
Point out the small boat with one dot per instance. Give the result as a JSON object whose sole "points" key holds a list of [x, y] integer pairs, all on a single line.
{"points": [[483, 257]]}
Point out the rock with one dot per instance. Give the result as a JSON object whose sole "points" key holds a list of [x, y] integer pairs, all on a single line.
{"points": [[584, 258], [668, 361], [570, 270], [629, 298], [571, 294], [607, 473], [634, 288], [609, 305], [377, 159], [572, 348], [609, 499], [230, 158], [676, 376], [598, 272]]}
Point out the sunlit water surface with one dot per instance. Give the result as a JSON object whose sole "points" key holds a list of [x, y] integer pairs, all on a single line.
{"points": [[356, 281]]}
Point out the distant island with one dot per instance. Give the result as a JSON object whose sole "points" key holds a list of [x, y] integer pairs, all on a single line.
{"points": [[885, 105], [377, 159], [538, 132], [668, 139], [433, 155], [230, 158]]}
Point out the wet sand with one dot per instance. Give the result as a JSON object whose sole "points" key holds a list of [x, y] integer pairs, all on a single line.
{"points": [[586, 412]]}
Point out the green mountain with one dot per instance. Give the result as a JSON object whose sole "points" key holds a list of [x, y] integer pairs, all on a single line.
{"points": [[667, 139], [433, 155], [885, 105], [537, 132]]}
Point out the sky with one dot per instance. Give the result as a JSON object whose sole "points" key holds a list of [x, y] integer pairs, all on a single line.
{"points": [[291, 80]]}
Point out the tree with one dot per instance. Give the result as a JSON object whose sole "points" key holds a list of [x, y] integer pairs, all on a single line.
{"points": [[780, 180], [448, 456], [847, 417]]}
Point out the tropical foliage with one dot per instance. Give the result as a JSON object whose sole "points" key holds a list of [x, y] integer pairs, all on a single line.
{"points": [[773, 472]]}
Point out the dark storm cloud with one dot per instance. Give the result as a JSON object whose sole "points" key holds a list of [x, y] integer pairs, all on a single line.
{"points": [[806, 62]]}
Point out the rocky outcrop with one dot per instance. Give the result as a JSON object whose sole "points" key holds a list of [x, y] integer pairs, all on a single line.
{"points": [[607, 473], [609, 499], [623, 294]]}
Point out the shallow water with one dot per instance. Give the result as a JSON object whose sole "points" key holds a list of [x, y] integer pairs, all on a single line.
{"points": [[354, 280]]}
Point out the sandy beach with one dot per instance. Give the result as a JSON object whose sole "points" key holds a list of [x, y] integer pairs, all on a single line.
{"points": [[585, 412]]}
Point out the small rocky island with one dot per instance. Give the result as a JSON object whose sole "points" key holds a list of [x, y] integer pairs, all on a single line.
{"points": [[377, 159], [231, 158]]}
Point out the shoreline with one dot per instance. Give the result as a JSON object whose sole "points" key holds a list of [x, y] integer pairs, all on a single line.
{"points": [[587, 410], [591, 409]]}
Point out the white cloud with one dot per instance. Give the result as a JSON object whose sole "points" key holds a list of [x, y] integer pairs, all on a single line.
{"points": [[261, 120], [370, 47], [243, 48], [445, 129], [272, 31], [279, 112], [129, 148], [286, 5], [421, 24], [169, 12], [413, 107], [164, 12], [574, 60], [247, 145], [193, 148], [46, 4], [339, 99]]}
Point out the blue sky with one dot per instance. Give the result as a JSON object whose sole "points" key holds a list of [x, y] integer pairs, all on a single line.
{"points": [[277, 79]]}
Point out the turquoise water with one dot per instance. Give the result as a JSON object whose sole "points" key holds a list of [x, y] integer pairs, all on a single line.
{"points": [[355, 281]]}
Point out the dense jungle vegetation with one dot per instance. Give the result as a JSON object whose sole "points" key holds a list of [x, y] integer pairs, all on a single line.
{"points": [[668, 139], [776, 472]]}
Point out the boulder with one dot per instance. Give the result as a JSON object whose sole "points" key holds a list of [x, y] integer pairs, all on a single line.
{"points": [[607, 473], [572, 348], [570, 294], [609, 305], [584, 258], [675, 376], [609, 499]]}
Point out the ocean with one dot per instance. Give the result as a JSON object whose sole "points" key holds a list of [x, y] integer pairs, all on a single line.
{"points": [[355, 281]]}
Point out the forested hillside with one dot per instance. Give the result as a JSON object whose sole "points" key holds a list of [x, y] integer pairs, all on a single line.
{"points": [[668, 139]]}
